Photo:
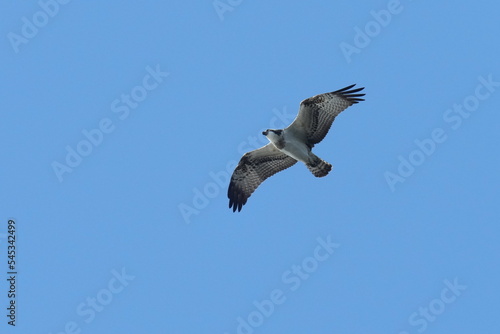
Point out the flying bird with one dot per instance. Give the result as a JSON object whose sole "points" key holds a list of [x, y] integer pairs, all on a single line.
{"points": [[292, 144]]}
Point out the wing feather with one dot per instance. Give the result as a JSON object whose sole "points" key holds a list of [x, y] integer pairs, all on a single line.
{"points": [[253, 168], [317, 113]]}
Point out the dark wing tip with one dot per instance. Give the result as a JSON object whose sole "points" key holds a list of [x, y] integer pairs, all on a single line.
{"points": [[235, 206], [236, 197], [349, 94]]}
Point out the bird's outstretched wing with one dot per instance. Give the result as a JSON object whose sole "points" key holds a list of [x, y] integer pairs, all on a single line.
{"points": [[317, 113], [253, 168]]}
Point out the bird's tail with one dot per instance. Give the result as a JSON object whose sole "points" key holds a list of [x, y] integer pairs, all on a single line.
{"points": [[318, 167]]}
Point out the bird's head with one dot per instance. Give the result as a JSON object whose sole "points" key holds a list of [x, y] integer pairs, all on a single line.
{"points": [[272, 133], [274, 136]]}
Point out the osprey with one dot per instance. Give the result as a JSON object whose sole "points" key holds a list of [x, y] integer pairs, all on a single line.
{"points": [[292, 144]]}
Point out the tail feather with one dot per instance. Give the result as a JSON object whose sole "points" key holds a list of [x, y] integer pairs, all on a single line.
{"points": [[319, 167]]}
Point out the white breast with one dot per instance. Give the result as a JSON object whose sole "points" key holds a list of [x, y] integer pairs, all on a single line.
{"points": [[295, 148]]}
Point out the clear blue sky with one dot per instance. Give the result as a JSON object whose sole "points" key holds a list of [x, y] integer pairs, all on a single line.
{"points": [[120, 120]]}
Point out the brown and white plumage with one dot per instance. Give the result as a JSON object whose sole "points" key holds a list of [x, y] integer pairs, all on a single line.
{"points": [[317, 113], [253, 168], [292, 144]]}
